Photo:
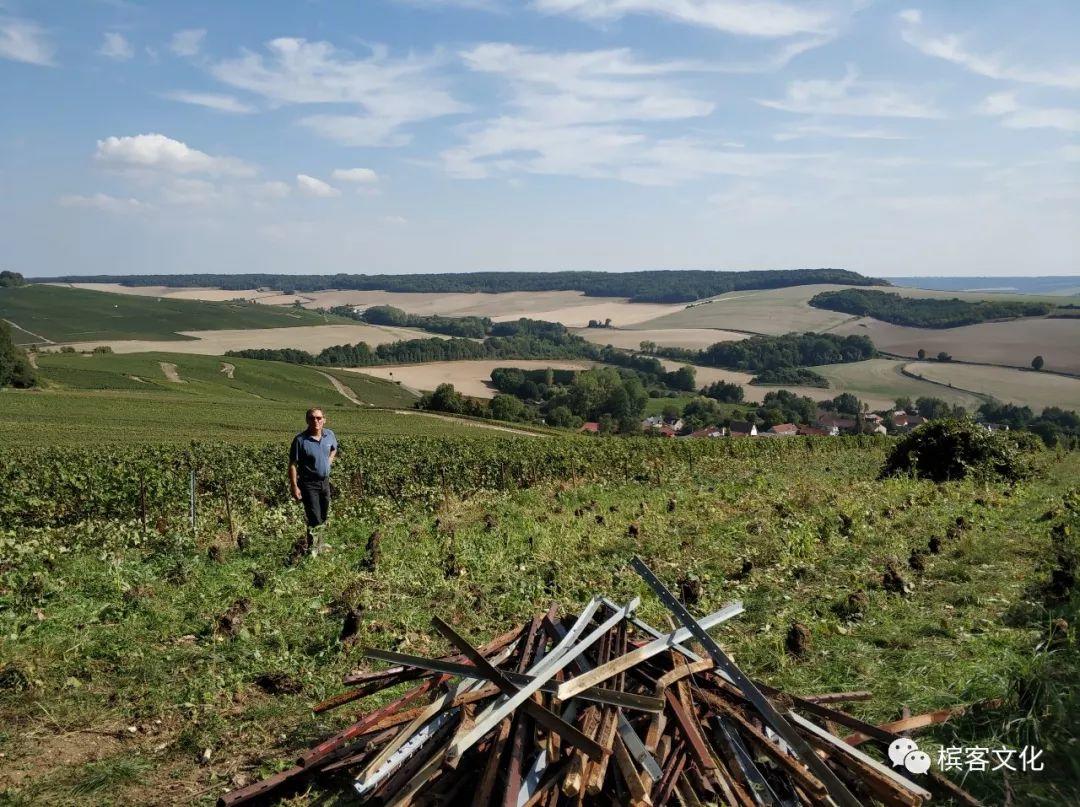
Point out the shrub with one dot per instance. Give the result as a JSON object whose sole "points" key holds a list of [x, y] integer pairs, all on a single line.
{"points": [[943, 450]]}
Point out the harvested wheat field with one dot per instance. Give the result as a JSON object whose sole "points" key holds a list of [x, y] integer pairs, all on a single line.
{"points": [[312, 338], [1014, 342], [468, 377], [692, 338], [571, 308], [204, 293], [770, 311], [878, 382], [1027, 387]]}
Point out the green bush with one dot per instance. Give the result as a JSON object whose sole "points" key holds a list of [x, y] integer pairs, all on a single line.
{"points": [[944, 450]]}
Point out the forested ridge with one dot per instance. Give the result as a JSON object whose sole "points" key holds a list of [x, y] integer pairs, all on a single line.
{"points": [[923, 312], [660, 286]]}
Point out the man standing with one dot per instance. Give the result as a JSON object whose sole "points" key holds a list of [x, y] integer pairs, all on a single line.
{"points": [[310, 458]]}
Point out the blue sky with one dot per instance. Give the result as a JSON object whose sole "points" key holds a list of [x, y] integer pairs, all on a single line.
{"points": [[893, 138]]}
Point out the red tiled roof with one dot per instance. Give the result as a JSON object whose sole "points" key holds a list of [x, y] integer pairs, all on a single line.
{"points": [[784, 428]]}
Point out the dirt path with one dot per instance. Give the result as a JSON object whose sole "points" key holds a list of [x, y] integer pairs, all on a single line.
{"points": [[228, 369], [460, 421], [341, 388], [171, 372], [31, 357], [36, 335]]}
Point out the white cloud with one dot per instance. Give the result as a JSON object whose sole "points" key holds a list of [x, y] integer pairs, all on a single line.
{"points": [[189, 191], [394, 221], [210, 100], [850, 96], [158, 152], [910, 15], [761, 18], [310, 186], [822, 130], [389, 93], [115, 47], [592, 114], [25, 41], [951, 48], [271, 190], [102, 201], [1014, 115], [187, 42], [364, 176]]}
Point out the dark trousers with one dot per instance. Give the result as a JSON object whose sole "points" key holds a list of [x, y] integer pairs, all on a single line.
{"points": [[315, 494]]}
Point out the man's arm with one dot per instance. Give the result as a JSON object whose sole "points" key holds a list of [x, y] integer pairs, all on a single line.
{"points": [[294, 485]]}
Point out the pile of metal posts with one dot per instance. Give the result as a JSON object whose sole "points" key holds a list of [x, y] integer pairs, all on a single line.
{"points": [[599, 709]]}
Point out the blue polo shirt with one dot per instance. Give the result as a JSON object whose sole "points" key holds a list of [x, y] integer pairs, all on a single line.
{"points": [[312, 457]]}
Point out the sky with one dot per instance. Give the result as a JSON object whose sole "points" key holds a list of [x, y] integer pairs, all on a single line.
{"points": [[402, 136]]}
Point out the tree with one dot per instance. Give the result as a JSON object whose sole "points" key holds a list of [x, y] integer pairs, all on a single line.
{"points": [[1037, 363], [10, 279], [904, 404], [670, 413], [933, 408], [701, 412], [507, 407], [444, 399], [682, 379], [922, 353], [846, 403], [562, 416], [607, 424], [724, 391], [15, 369], [943, 356]]}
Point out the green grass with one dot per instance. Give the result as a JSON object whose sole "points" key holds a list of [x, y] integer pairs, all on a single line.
{"points": [[205, 377], [655, 406], [119, 630], [62, 314], [79, 418]]}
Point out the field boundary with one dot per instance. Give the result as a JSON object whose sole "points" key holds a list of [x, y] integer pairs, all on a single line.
{"points": [[982, 396]]}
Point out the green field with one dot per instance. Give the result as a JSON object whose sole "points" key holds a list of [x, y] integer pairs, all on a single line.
{"points": [[110, 398], [208, 377], [121, 688], [780, 311], [56, 314]]}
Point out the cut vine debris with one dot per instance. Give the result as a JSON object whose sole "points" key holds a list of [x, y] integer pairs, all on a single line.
{"points": [[598, 709]]}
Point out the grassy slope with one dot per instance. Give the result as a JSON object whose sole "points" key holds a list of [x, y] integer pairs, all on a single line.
{"points": [[95, 399], [68, 315], [815, 529], [779, 311]]}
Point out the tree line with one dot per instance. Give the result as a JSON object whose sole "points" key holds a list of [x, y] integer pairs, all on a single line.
{"points": [[463, 327], [773, 353], [661, 286], [519, 339], [923, 312], [15, 369]]}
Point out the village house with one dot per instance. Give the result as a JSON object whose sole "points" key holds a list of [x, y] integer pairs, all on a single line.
{"points": [[740, 428], [813, 431], [708, 431], [590, 428], [785, 429], [905, 422], [834, 424], [666, 431]]}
